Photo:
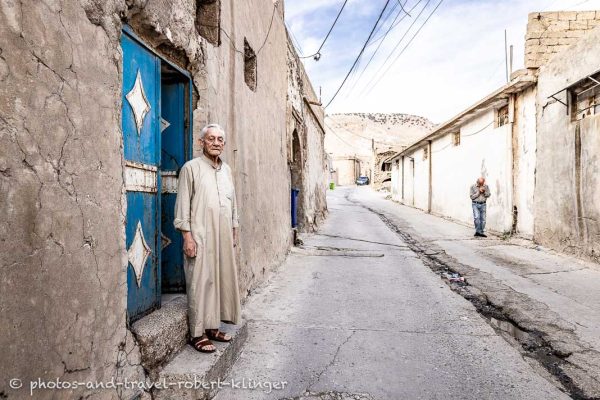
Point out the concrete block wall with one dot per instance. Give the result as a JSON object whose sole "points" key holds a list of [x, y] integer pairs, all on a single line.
{"points": [[549, 33], [567, 183]]}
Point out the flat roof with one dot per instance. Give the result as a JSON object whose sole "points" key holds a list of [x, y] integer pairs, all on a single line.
{"points": [[522, 81]]}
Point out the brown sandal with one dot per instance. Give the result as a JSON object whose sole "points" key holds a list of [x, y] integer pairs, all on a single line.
{"points": [[200, 343], [217, 335]]}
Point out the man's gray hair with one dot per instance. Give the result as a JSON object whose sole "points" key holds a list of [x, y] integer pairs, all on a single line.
{"points": [[218, 127]]}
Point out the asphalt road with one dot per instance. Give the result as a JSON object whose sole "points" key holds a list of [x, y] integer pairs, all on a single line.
{"points": [[355, 314]]}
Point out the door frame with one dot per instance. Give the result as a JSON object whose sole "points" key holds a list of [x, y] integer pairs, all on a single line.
{"points": [[188, 145]]}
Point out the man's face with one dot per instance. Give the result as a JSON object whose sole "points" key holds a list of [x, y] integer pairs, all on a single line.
{"points": [[213, 142], [480, 181]]}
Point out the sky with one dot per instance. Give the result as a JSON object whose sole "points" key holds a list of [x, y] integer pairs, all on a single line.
{"points": [[456, 58]]}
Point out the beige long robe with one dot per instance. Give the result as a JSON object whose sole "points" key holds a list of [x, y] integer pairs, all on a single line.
{"points": [[206, 206]]}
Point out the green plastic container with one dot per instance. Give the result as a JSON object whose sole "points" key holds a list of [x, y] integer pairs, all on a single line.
{"points": [[331, 185]]}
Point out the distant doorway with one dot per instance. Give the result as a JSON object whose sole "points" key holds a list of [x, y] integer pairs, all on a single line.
{"points": [[296, 179]]}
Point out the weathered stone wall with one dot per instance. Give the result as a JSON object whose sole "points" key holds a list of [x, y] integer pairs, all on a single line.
{"points": [[549, 33], [567, 190], [379, 176], [306, 116], [62, 207]]}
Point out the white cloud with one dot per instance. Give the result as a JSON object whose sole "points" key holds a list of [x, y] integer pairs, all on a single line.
{"points": [[456, 59]]}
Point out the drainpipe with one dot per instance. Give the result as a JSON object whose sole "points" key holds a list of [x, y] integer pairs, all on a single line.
{"points": [[413, 180], [403, 179], [430, 154], [513, 119]]}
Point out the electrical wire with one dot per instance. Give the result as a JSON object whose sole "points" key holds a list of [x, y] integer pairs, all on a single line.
{"points": [[359, 54], [463, 136], [339, 137], [394, 25], [356, 134], [379, 26], [405, 47], [379, 46], [268, 31], [294, 40], [479, 131], [232, 42], [402, 7], [352, 133], [395, 47], [317, 54]]}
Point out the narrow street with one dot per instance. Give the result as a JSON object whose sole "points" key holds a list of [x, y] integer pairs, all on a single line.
{"points": [[357, 314]]}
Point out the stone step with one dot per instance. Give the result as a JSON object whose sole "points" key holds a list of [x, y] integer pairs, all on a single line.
{"points": [[192, 375], [162, 333]]}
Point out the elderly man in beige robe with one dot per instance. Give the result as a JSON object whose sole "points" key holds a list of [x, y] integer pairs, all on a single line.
{"points": [[206, 214]]}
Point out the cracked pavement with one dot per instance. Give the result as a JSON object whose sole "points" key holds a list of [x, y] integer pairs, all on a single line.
{"points": [[554, 296], [373, 327]]}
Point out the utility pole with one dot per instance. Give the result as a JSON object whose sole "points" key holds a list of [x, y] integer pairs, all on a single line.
{"points": [[506, 55]]}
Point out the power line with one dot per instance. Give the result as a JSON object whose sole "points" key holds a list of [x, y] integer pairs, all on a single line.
{"points": [[232, 42], [480, 130], [359, 54], [379, 26], [317, 54], [269, 31], [405, 47], [402, 7], [356, 134], [394, 25], [380, 43], [339, 137], [352, 133], [294, 40], [396, 47]]}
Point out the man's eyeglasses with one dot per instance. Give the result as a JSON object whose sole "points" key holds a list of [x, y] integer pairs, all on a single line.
{"points": [[217, 140]]}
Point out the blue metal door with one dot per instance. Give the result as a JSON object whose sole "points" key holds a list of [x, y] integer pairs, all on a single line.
{"points": [[141, 141], [173, 156]]}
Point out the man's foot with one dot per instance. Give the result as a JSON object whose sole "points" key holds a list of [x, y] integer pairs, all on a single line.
{"points": [[217, 335], [482, 235], [203, 344], [477, 234]]}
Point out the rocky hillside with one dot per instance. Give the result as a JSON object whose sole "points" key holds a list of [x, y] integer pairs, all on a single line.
{"points": [[351, 134]]}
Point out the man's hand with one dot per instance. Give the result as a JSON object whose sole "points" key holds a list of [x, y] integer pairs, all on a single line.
{"points": [[189, 244], [235, 235], [481, 189]]}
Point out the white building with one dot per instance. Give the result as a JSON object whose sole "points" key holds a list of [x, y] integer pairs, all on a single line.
{"points": [[494, 138], [535, 141]]}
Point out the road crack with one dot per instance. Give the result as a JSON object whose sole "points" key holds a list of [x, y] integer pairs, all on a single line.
{"points": [[535, 339]]}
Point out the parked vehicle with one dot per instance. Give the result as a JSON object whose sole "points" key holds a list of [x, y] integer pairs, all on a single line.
{"points": [[362, 180]]}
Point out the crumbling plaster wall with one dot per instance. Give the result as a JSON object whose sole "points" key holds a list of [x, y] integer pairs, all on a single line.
{"points": [[524, 160], [315, 181], [256, 130], [63, 281], [63, 277], [567, 190], [306, 116]]}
